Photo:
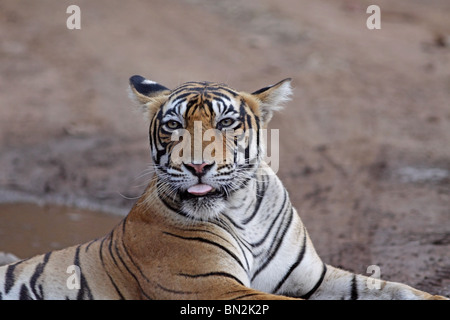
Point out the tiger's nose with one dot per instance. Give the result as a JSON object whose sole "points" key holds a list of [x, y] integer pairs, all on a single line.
{"points": [[198, 169]]}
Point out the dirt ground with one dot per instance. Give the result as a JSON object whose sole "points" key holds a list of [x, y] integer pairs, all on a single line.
{"points": [[364, 145]]}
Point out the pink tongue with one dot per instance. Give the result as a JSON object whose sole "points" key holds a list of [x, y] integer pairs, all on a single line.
{"points": [[200, 189]]}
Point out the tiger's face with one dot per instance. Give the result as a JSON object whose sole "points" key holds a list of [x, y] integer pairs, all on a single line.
{"points": [[205, 140]]}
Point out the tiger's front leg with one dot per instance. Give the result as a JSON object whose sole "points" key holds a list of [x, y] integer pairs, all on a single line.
{"points": [[305, 275], [341, 284]]}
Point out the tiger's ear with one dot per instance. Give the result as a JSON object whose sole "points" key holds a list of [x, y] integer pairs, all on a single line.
{"points": [[149, 95], [272, 98]]}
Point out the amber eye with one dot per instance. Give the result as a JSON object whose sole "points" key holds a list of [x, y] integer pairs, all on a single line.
{"points": [[224, 123], [173, 125]]}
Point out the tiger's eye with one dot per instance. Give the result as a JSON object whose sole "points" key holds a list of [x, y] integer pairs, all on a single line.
{"points": [[226, 122], [172, 124]]}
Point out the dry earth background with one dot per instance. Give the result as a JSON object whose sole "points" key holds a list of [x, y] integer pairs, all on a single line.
{"points": [[364, 145]]}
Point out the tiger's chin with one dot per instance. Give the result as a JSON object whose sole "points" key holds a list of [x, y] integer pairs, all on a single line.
{"points": [[205, 207]]}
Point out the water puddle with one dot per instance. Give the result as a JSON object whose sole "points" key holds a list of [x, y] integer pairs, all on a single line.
{"points": [[29, 229]]}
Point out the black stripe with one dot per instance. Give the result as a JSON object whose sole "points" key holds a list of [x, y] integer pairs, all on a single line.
{"points": [[219, 95], [155, 139], [209, 105], [242, 111], [212, 274], [84, 292], [260, 191], [246, 295], [230, 91], [172, 208], [225, 109], [180, 97], [354, 292], [24, 293], [134, 264], [247, 150], [116, 288], [273, 252], [263, 89], [279, 235], [209, 232], [257, 135], [133, 275], [89, 245], [238, 240], [239, 205], [296, 263], [100, 251], [237, 226], [191, 86], [310, 292], [36, 274], [103, 264], [258, 243], [208, 242], [192, 106], [174, 291], [110, 247], [153, 129], [10, 279], [160, 141]]}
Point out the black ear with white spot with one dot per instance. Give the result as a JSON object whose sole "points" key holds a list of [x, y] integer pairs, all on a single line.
{"points": [[272, 98], [144, 88], [148, 94]]}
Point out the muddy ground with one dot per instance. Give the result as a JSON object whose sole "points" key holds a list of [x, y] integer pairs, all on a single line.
{"points": [[364, 145]]}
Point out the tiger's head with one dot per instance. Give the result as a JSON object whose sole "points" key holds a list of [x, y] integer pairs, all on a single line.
{"points": [[205, 139]]}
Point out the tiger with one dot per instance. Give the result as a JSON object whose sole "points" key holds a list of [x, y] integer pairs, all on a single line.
{"points": [[214, 221]]}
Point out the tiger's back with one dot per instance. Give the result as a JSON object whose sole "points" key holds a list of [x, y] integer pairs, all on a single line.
{"points": [[57, 275]]}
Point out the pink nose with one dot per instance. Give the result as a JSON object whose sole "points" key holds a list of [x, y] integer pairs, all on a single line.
{"points": [[197, 167]]}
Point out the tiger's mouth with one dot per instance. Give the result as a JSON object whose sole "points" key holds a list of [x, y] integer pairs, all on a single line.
{"points": [[200, 191]]}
